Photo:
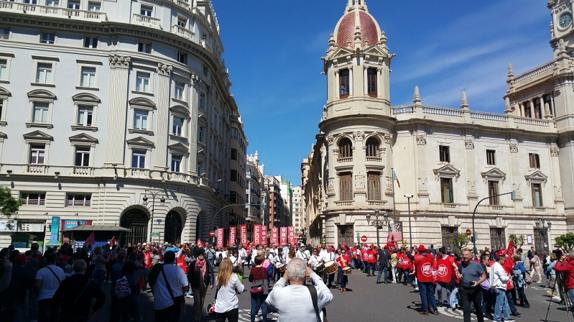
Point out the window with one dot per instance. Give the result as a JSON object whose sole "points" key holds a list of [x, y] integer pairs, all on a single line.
{"points": [[344, 83], [179, 91], [182, 57], [493, 193], [233, 154], [47, 38], [233, 176], [85, 115], [138, 159], [82, 157], [33, 198], [450, 237], [372, 148], [497, 238], [40, 112], [182, 22], [490, 157], [140, 119], [534, 160], [74, 4], [232, 196], [4, 33], [31, 1], [176, 163], [2, 116], [202, 101], [537, 109], [78, 199], [53, 3], [3, 69], [374, 186], [372, 82], [444, 153], [201, 134], [146, 11], [537, 195], [345, 149], [346, 186], [94, 6], [91, 42], [144, 47], [446, 190], [143, 82], [88, 78], [527, 109], [37, 153], [177, 126], [44, 73]]}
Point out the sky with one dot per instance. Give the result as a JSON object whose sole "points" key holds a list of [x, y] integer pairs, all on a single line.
{"points": [[273, 50]]}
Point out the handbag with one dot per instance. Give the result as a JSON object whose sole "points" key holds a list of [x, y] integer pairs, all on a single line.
{"points": [[211, 307]]}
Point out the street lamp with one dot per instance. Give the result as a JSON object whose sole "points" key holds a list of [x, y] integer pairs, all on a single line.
{"points": [[409, 212], [153, 195], [474, 250], [378, 223]]}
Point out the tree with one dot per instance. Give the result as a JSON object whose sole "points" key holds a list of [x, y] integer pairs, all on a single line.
{"points": [[566, 241], [8, 204], [517, 240]]}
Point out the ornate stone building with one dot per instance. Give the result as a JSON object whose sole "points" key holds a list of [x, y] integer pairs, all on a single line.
{"points": [[118, 113], [448, 159]]}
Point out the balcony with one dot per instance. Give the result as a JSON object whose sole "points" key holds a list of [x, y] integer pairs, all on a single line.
{"points": [[375, 202], [344, 203], [83, 171], [345, 159], [50, 11], [146, 21], [374, 158], [182, 32], [37, 169]]}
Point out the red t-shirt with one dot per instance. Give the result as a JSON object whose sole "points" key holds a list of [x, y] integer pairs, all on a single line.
{"points": [[364, 256], [372, 256], [424, 268], [147, 260], [444, 269], [343, 260], [508, 265]]}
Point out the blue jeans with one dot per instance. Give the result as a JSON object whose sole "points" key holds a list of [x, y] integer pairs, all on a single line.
{"points": [[426, 291], [501, 305], [384, 273], [571, 295], [258, 302]]}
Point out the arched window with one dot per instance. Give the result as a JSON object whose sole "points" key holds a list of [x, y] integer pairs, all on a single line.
{"points": [[372, 148], [345, 149], [372, 82], [344, 83]]}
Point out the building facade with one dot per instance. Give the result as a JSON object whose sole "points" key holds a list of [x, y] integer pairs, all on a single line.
{"points": [[298, 220], [371, 158], [119, 113], [255, 189]]}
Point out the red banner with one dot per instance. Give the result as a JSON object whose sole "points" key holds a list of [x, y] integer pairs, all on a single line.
{"points": [[274, 236], [291, 235], [264, 235], [283, 236], [232, 236], [243, 234], [256, 235], [219, 234]]}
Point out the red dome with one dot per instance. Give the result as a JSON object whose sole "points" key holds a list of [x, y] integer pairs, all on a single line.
{"points": [[345, 33]]}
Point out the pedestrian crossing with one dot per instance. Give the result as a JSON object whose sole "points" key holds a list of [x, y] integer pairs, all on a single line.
{"points": [[245, 316]]}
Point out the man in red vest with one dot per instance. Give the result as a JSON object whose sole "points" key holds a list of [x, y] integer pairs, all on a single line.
{"points": [[445, 267], [424, 263]]}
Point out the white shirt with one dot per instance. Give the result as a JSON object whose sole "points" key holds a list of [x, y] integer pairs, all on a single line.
{"points": [[314, 261], [498, 276], [294, 302], [49, 281], [324, 255], [227, 299], [242, 253], [177, 281]]}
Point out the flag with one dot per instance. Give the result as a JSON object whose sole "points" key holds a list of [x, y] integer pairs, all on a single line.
{"points": [[113, 242], [90, 240], [510, 249], [199, 243], [395, 178]]}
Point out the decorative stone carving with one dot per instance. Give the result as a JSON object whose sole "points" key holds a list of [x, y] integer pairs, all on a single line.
{"points": [[469, 144], [331, 186], [554, 150], [164, 69], [387, 138], [360, 182], [513, 148], [330, 139], [359, 135], [421, 139], [117, 61]]}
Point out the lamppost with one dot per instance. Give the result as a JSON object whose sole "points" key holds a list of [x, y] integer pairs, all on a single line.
{"points": [[153, 195], [544, 226], [409, 212], [378, 223], [474, 250]]}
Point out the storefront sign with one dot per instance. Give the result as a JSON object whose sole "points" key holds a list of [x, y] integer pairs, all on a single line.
{"points": [[31, 227], [8, 226], [55, 231], [73, 223]]}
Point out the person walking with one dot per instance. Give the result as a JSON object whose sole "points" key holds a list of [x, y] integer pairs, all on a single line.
{"points": [[259, 289], [48, 279], [536, 265], [498, 280], [343, 261], [424, 263], [228, 286], [383, 269], [199, 275], [519, 281], [472, 275], [169, 286], [297, 302]]}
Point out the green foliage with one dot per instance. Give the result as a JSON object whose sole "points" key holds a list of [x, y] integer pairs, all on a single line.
{"points": [[517, 240], [566, 241], [462, 241], [8, 204]]}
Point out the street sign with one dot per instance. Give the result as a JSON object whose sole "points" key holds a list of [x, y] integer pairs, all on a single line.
{"points": [[364, 239], [468, 232]]}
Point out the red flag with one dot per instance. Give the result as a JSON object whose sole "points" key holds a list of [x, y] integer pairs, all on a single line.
{"points": [[510, 249], [257, 234], [232, 236], [219, 234], [275, 236], [264, 235], [90, 240], [283, 236], [243, 234], [114, 241], [291, 235]]}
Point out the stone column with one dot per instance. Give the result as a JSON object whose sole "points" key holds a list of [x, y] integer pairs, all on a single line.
{"points": [[116, 113], [163, 119]]}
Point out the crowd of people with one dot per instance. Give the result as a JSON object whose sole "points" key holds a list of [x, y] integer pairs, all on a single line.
{"points": [[67, 285]]}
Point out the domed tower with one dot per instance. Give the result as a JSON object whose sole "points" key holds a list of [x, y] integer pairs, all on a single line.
{"points": [[356, 127]]}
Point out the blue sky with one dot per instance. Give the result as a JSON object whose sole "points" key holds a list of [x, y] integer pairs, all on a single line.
{"points": [[273, 49]]}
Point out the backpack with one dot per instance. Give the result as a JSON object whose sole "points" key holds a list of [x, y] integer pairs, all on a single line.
{"points": [[122, 288]]}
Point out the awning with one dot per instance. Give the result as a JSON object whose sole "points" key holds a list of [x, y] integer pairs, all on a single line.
{"points": [[97, 228]]}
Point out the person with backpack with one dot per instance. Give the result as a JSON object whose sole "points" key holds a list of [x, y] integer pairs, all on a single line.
{"points": [[259, 289], [200, 274], [519, 280], [169, 285], [74, 298], [228, 286]]}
